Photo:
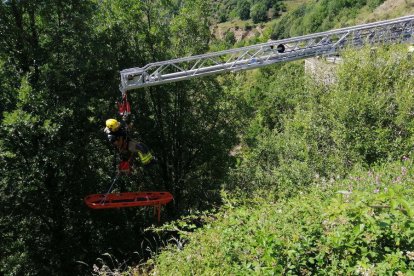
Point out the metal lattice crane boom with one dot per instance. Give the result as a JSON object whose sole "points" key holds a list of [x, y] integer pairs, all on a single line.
{"points": [[400, 30]]}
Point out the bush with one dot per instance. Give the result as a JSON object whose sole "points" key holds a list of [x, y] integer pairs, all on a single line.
{"points": [[258, 13], [244, 9], [361, 225], [301, 128], [222, 16], [374, 3], [229, 38]]}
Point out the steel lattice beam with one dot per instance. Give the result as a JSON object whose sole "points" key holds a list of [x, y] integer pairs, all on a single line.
{"points": [[400, 30]]}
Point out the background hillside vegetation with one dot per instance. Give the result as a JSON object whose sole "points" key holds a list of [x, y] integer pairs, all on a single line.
{"points": [[259, 141], [324, 187]]}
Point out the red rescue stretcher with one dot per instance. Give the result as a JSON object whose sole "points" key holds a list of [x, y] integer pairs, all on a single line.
{"points": [[130, 199]]}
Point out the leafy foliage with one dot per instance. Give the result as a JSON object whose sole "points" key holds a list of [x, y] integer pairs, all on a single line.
{"points": [[59, 65], [226, 10], [303, 128], [365, 229], [244, 9], [315, 191], [317, 16], [59, 73], [259, 13]]}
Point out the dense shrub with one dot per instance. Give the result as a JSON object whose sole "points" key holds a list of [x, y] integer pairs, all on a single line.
{"points": [[258, 13], [302, 128], [244, 9], [229, 38], [361, 225]]}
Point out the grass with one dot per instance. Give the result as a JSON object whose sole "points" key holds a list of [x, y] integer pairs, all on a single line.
{"points": [[293, 4], [388, 10]]}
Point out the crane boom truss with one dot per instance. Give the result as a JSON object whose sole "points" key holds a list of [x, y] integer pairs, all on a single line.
{"points": [[400, 30]]}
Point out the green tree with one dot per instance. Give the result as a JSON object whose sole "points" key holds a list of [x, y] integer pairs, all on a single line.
{"points": [[244, 9], [258, 13], [46, 164], [302, 128], [59, 72], [193, 138]]}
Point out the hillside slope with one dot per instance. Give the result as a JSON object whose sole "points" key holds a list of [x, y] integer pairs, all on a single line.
{"points": [[367, 12], [389, 9], [324, 231], [323, 196]]}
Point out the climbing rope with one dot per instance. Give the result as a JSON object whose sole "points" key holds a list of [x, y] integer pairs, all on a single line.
{"points": [[110, 188], [124, 108]]}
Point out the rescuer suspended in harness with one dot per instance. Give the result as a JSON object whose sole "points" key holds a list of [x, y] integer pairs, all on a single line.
{"points": [[128, 149]]}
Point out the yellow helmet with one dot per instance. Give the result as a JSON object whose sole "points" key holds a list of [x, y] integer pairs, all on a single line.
{"points": [[112, 124]]}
